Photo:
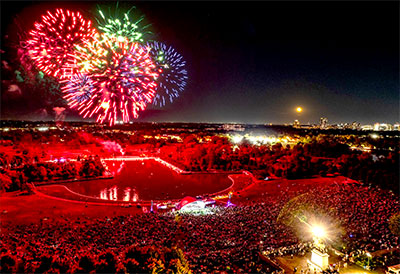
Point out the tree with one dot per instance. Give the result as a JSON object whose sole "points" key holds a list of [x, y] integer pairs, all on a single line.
{"points": [[5, 182]]}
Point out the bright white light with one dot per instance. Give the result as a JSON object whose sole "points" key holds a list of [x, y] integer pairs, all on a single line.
{"points": [[237, 139], [105, 105], [193, 206], [261, 140], [374, 136], [43, 128], [318, 231]]}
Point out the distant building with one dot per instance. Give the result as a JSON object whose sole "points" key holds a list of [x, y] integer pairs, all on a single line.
{"points": [[382, 127], [343, 126], [396, 126], [367, 127], [323, 123], [355, 126], [296, 123], [233, 127]]}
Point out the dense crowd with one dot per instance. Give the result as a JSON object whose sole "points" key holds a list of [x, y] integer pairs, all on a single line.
{"points": [[362, 211], [228, 240]]}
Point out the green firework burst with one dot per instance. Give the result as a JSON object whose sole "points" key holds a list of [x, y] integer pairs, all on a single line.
{"points": [[123, 27]]}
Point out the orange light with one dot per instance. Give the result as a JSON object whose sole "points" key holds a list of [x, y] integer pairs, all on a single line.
{"points": [[299, 109]]}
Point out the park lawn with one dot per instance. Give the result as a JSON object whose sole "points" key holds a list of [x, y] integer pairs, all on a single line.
{"points": [[27, 209]]}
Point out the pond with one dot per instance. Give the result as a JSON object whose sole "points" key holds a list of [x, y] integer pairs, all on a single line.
{"points": [[144, 180]]}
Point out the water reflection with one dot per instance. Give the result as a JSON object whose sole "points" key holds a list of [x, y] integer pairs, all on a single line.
{"points": [[129, 192], [115, 168], [126, 194], [151, 179]]}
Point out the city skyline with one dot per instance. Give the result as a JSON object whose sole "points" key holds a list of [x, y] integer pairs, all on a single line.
{"points": [[254, 63]]}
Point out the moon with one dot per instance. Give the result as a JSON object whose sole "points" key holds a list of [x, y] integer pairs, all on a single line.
{"points": [[299, 109]]}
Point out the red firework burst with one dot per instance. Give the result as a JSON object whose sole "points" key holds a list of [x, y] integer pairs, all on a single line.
{"points": [[123, 81], [55, 37]]}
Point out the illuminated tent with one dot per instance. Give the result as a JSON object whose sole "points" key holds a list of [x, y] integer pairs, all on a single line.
{"points": [[190, 204]]}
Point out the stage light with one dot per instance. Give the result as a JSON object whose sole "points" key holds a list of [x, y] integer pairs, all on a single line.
{"points": [[318, 231]]}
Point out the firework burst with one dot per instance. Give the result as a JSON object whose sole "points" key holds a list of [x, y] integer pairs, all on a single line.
{"points": [[77, 89], [173, 75], [109, 75], [92, 56], [121, 27], [122, 80], [55, 37]]}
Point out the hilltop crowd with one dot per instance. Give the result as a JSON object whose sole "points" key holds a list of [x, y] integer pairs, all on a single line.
{"points": [[229, 240]]}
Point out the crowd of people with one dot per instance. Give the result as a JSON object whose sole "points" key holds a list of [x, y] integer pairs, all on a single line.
{"points": [[229, 240]]}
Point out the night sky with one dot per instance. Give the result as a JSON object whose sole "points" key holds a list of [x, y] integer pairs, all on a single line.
{"points": [[250, 62]]}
